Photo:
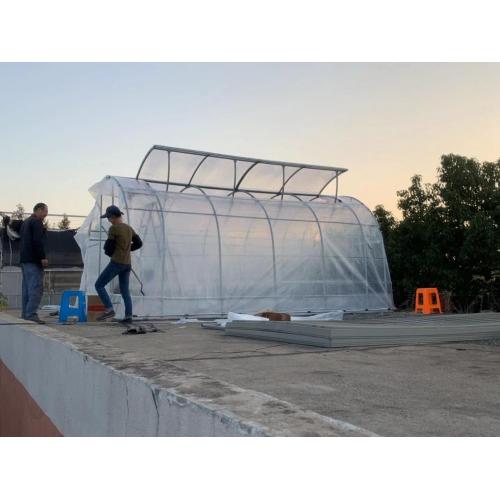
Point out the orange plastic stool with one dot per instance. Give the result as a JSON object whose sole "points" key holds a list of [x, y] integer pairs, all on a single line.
{"points": [[427, 301]]}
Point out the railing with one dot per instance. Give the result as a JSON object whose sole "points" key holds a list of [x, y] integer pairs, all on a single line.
{"points": [[69, 216], [55, 282]]}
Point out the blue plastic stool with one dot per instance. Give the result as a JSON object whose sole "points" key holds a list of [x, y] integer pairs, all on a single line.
{"points": [[67, 310]]}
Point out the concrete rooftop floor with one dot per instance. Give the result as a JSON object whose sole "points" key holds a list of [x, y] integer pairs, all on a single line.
{"points": [[440, 390]]}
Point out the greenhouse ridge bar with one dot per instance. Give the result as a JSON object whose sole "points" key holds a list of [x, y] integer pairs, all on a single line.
{"points": [[224, 233]]}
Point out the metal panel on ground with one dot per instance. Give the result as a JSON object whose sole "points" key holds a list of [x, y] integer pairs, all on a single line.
{"points": [[396, 330]]}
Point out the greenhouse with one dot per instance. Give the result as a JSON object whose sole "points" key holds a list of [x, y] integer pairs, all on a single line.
{"points": [[225, 233]]}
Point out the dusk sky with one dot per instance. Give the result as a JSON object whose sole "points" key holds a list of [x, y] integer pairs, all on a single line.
{"points": [[65, 126]]}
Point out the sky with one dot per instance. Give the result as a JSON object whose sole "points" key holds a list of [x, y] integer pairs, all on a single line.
{"points": [[64, 126]]}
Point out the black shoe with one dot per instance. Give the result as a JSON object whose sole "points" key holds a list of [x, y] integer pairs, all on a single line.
{"points": [[106, 315], [36, 319], [125, 321]]}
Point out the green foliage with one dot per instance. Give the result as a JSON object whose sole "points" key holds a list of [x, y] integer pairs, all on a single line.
{"points": [[3, 302], [19, 213], [64, 223], [386, 221], [449, 235]]}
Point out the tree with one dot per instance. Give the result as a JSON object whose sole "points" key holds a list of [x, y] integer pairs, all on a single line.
{"points": [[449, 234], [418, 200], [386, 221], [18, 213], [64, 223]]}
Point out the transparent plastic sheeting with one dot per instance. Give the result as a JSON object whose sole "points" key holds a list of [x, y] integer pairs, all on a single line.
{"points": [[231, 316], [179, 168], [207, 255]]}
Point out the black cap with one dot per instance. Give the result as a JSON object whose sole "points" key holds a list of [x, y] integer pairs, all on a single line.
{"points": [[110, 211]]}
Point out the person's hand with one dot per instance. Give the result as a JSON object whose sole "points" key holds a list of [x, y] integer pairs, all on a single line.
{"points": [[45, 263]]}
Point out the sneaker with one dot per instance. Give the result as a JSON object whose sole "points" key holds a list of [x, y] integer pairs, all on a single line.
{"points": [[125, 321], [106, 315], [36, 319]]}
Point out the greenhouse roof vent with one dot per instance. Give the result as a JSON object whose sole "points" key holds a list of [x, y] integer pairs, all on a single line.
{"points": [[179, 169]]}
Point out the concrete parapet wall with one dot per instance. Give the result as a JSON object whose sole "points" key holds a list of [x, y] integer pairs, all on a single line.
{"points": [[87, 391]]}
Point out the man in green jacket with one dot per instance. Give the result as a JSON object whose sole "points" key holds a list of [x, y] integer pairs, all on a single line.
{"points": [[122, 239]]}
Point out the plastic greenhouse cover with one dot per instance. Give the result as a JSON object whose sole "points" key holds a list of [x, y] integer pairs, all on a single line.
{"points": [[206, 255]]}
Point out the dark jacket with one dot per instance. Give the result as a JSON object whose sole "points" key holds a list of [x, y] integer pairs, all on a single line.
{"points": [[32, 241]]}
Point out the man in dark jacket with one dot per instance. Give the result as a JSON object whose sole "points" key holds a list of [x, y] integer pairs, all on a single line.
{"points": [[33, 260]]}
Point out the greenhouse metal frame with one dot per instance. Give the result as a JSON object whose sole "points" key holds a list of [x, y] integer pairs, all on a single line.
{"points": [[251, 235]]}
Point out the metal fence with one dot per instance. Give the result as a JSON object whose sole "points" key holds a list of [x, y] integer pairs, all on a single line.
{"points": [[55, 282], [50, 218]]}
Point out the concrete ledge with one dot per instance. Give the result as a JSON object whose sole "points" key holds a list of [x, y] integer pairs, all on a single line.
{"points": [[87, 389]]}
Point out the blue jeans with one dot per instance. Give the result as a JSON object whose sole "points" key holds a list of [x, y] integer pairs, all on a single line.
{"points": [[109, 272], [32, 288]]}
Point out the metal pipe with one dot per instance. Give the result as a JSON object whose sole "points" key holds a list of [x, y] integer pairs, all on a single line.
{"points": [[196, 170], [128, 220], [320, 193], [245, 216], [219, 241], [363, 246], [100, 238], [155, 194], [261, 205], [323, 265], [168, 172], [244, 175], [221, 188], [246, 159], [49, 215], [144, 160]]}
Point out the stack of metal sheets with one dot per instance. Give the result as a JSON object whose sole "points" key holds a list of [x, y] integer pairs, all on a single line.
{"points": [[395, 330]]}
